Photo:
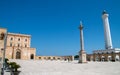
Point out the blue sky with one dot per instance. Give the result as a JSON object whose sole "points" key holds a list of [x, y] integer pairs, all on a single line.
{"points": [[54, 24]]}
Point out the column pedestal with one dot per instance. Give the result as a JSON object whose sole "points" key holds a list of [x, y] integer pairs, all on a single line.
{"points": [[82, 57]]}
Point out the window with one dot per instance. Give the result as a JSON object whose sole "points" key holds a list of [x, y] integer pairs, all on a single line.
{"points": [[2, 35], [19, 39], [54, 58], [25, 45], [44, 57], [39, 57], [49, 57], [18, 45], [10, 44], [25, 40], [11, 38]]}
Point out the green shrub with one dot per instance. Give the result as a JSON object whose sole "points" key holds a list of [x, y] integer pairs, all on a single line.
{"points": [[14, 66], [6, 60]]}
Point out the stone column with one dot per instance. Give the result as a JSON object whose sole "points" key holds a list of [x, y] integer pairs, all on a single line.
{"points": [[82, 53]]}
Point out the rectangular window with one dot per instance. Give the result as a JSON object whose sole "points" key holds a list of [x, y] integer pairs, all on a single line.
{"points": [[18, 45], [10, 44], [25, 40], [18, 39], [11, 39], [25, 45]]}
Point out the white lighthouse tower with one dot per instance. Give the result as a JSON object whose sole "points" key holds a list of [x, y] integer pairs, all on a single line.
{"points": [[110, 52], [108, 41]]}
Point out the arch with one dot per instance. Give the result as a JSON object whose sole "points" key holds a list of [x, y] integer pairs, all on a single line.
{"points": [[2, 35], [107, 53], [11, 38], [54, 58], [96, 58], [18, 54], [25, 40], [58, 58], [39, 57], [102, 58], [109, 58], [91, 58], [117, 58], [18, 39], [49, 58], [45, 58], [112, 52], [32, 56]]}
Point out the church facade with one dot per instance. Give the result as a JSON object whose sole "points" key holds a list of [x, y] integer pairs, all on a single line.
{"points": [[17, 46]]}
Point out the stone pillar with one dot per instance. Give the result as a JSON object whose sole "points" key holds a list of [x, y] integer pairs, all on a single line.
{"points": [[82, 53], [113, 57], [94, 56]]}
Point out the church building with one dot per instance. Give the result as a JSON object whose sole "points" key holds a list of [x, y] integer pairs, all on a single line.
{"points": [[16, 46]]}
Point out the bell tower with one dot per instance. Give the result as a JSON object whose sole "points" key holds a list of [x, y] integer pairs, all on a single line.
{"points": [[3, 32]]}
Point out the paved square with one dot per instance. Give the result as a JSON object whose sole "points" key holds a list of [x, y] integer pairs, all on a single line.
{"points": [[38, 67]]}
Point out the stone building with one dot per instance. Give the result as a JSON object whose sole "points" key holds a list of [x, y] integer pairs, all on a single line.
{"points": [[48, 58], [70, 57], [18, 46], [104, 56]]}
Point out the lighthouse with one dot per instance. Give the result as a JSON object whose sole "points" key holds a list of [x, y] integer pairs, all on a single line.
{"points": [[109, 53], [108, 41]]}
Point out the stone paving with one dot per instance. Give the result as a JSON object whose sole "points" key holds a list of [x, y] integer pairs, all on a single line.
{"points": [[37, 67]]}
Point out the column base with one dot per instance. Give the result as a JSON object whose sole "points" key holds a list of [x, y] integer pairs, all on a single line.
{"points": [[82, 62], [82, 57]]}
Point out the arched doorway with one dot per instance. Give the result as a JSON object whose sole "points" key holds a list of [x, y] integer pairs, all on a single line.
{"points": [[91, 58], [103, 58], [40, 58], [32, 56], [109, 58], [96, 58], [18, 55], [49, 58], [117, 58], [54, 58]]}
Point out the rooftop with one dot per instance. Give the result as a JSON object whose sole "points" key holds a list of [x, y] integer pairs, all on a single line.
{"points": [[19, 34]]}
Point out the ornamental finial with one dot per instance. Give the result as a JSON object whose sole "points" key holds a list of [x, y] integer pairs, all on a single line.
{"points": [[104, 12]]}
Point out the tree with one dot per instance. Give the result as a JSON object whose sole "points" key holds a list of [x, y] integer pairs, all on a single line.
{"points": [[76, 56], [14, 66]]}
